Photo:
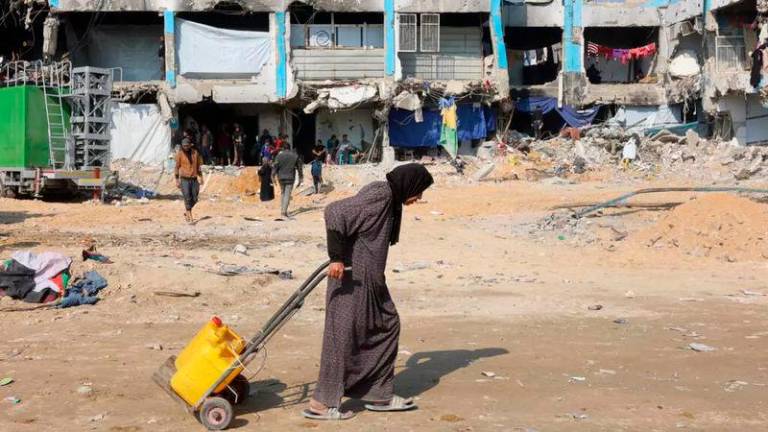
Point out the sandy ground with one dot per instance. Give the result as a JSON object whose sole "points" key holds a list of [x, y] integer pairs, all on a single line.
{"points": [[482, 285]]}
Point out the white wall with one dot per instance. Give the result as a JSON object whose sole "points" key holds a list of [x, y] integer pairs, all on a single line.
{"points": [[737, 106], [757, 120], [358, 124]]}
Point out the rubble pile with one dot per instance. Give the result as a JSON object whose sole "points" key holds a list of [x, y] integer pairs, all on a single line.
{"points": [[661, 155]]}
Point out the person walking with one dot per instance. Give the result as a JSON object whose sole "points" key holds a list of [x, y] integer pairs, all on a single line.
{"points": [[188, 171], [318, 154], [286, 167], [362, 326]]}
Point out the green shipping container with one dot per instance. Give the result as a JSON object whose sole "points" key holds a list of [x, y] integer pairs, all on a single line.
{"points": [[24, 127]]}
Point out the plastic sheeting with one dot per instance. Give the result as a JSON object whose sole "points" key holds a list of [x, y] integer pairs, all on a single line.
{"points": [[404, 131], [207, 52], [132, 48], [473, 124], [139, 133], [642, 117], [574, 118]]}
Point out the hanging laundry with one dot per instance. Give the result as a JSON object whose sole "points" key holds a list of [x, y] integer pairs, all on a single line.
{"points": [[448, 135], [621, 54]]}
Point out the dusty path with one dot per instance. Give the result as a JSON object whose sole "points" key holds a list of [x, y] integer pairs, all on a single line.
{"points": [[478, 286]]}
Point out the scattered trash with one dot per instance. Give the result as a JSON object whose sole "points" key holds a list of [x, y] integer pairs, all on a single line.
{"points": [[5, 381], [85, 390], [733, 385], [595, 307], [177, 294], [13, 399], [84, 291], [579, 416], [97, 417], [418, 265], [96, 257], [285, 275], [240, 250], [577, 379], [620, 321], [436, 213], [606, 372], [753, 293], [154, 346], [629, 294], [451, 418], [700, 347], [488, 374]]}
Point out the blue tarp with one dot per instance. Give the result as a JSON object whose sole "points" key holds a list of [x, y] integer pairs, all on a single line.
{"points": [[572, 116], [474, 124], [405, 132]]}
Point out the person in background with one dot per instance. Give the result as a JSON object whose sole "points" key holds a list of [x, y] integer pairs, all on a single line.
{"points": [[286, 167], [223, 145], [264, 140], [344, 148], [330, 148], [356, 152], [279, 142], [267, 192], [318, 158], [206, 145], [188, 171], [267, 152], [362, 326], [238, 142]]}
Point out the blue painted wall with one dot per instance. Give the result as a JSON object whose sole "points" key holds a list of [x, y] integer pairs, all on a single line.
{"points": [[572, 50], [169, 28], [282, 57], [500, 48], [389, 37]]}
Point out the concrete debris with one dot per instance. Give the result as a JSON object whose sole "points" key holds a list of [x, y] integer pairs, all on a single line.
{"points": [[342, 97], [665, 154], [700, 347], [240, 250]]}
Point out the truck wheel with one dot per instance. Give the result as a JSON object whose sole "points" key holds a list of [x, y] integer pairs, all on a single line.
{"points": [[216, 413]]}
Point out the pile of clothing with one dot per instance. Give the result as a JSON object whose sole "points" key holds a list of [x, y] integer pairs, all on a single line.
{"points": [[621, 54], [45, 277], [34, 278]]}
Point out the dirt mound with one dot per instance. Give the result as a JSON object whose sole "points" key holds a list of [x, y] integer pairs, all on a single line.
{"points": [[243, 183], [721, 226]]}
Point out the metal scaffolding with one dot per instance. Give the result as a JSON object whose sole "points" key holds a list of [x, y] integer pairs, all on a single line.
{"points": [[90, 100]]}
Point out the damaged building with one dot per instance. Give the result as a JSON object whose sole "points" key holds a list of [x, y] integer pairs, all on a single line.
{"points": [[383, 71]]}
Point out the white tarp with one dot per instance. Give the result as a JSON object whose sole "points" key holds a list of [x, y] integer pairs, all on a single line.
{"points": [[204, 51], [132, 48], [139, 133]]}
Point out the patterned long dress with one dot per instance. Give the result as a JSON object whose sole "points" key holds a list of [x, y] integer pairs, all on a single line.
{"points": [[362, 326]]}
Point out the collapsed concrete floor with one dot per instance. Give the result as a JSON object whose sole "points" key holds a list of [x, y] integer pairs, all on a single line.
{"points": [[498, 327]]}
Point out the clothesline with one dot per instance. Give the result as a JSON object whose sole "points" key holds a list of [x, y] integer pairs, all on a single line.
{"points": [[621, 54]]}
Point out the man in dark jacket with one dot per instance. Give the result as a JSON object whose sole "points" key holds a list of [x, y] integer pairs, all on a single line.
{"points": [[285, 168]]}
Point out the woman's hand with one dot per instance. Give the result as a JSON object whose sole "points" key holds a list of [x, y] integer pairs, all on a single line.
{"points": [[336, 270]]}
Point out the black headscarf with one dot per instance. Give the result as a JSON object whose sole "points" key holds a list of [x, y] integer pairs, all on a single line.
{"points": [[406, 181]]}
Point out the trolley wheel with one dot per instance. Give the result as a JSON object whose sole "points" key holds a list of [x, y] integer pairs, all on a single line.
{"points": [[241, 386], [216, 413]]}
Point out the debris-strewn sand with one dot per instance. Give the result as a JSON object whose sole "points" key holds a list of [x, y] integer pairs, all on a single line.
{"points": [[722, 226], [485, 280]]}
